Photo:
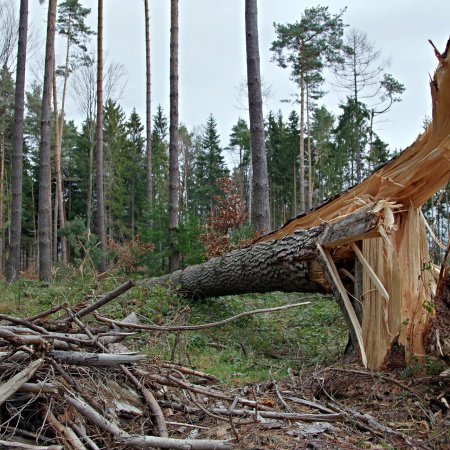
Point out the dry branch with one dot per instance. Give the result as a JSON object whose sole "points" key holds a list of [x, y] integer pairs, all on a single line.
{"points": [[14, 384], [183, 444], [220, 323]]}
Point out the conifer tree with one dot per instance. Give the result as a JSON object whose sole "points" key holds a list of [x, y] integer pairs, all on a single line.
{"points": [[13, 264], [174, 171], [260, 211], [45, 208], [306, 46]]}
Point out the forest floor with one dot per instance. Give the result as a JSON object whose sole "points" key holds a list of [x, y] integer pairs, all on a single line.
{"points": [[290, 361]]}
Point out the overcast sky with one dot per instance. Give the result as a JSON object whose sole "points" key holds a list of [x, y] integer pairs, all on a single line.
{"points": [[212, 55]]}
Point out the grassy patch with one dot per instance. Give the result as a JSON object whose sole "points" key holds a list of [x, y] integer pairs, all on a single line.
{"points": [[249, 349]]}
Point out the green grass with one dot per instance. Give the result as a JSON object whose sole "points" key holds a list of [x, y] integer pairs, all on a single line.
{"points": [[250, 349]]}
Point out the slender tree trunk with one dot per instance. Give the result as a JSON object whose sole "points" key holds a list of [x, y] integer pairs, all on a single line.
{"points": [[90, 177], [260, 182], [302, 134], [2, 204], [310, 163], [174, 177], [45, 207], [357, 149], [57, 164], [59, 191], [99, 175], [13, 263], [148, 112]]}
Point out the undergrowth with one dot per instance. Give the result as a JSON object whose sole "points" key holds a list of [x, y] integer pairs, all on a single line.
{"points": [[253, 348]]}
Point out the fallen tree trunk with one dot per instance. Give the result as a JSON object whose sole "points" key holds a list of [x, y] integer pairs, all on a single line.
{"points": [[288, 264]]}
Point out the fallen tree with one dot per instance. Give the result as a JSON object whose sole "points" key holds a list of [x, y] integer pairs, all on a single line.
{"points": [[368, 243]]}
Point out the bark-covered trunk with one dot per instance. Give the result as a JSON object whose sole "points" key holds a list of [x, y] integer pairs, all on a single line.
{"points": [[174, 171], [101, 231], [45, 207], [260, 181], [302, 132], [281, 266], [13, 264], [148, 114]]}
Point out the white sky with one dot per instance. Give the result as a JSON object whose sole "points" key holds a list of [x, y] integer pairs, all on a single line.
{"points": [[212, 55]]}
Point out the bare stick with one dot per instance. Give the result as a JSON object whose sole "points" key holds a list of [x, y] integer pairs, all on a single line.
{"points": [[67, 432], [197, 327], [82, 434], [103, 301], [97, 419], [23, 322], [183, 444], [21, 445], [13, 384], [280, 397], [44, 313], [188, 371], [95, 359], [335, 417]]}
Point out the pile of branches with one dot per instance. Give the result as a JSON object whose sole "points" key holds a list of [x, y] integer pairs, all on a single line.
{"points": [[68, 381]]}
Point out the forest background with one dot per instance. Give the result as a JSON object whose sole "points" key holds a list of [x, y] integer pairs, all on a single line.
{"points": [[350, 128]]}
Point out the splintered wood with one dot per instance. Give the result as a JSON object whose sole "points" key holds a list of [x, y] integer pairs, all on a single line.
{"points": [[397, 282]]}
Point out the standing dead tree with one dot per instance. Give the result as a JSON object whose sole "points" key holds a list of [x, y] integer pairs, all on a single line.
{"points": [[367, 245]]}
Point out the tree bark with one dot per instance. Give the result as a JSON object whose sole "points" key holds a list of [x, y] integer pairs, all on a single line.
{"points": [[99, 157], [45, 207], [302, 132], [288, 264], [174, 172], [260, 181], [13, 263], [148, 114]]}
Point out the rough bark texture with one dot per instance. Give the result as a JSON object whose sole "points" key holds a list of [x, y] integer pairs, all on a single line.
{"points": [[99, 175], [287, 264], [45, 207], [148, 112], [260, 182], [174, 173], [284, 265], [13, 264]]}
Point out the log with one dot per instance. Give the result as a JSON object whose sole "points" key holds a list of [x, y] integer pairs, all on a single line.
{"points": [[81, 358], [288, 264]]}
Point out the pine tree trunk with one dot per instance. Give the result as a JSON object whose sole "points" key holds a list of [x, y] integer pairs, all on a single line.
{"points": [[302, 135], [45, 206], [13, 264], [90, 177], [59, 191], [99, 159], [260, 183], [2, 204], [57, 165], [148, 114], [174, 172], [310, 164]]}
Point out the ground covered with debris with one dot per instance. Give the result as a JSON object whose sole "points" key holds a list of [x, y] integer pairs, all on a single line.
{"points": [[72, 378]]}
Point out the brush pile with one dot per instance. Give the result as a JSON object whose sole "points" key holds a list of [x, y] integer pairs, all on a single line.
{"points": [[67, 380]]}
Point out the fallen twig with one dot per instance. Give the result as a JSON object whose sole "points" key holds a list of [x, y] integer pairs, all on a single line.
{"points": [[171, 328]]}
